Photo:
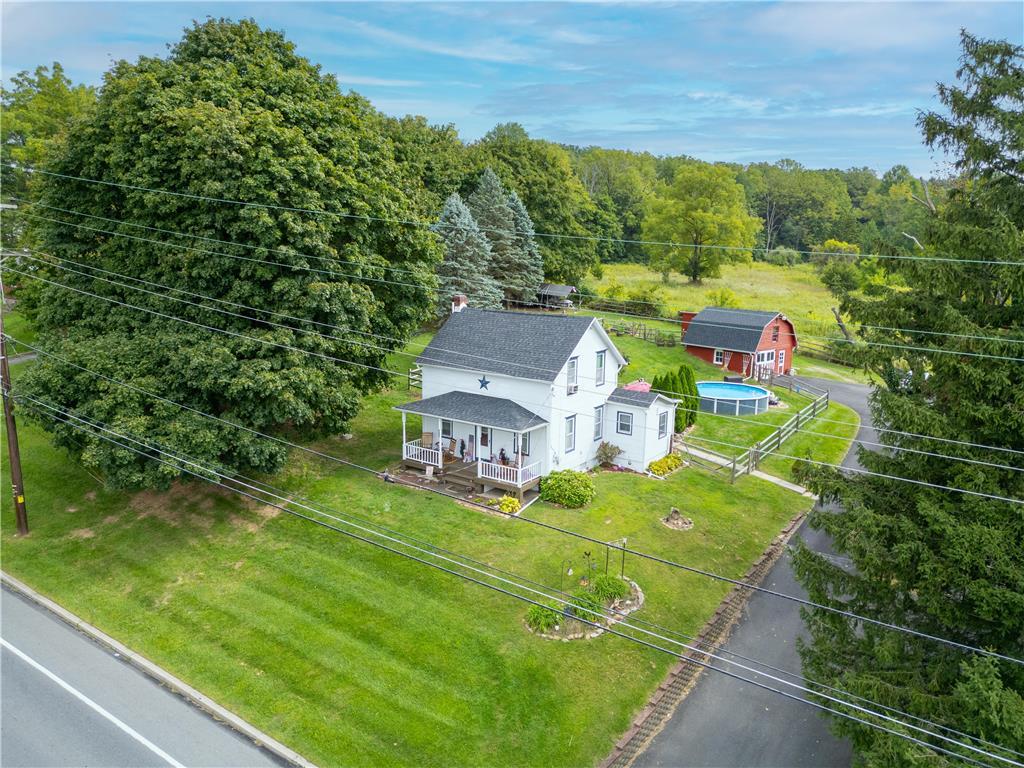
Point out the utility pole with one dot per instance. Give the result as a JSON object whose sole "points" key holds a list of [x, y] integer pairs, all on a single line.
{"points": [[13, 453]]}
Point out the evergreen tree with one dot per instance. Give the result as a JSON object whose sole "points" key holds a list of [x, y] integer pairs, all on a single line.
{"points": [[945, 563], [489, 205], [527, 268], [467, 256], [686, 413]]}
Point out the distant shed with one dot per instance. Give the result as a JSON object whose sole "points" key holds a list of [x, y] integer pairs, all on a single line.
{"points": [[554, 296]]}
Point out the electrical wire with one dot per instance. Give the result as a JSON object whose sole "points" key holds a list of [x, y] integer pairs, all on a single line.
{"points": [[390, 350], [36, 203], [420, 286], [514, 232], [346, 462], [389, 371], [283, 503], [681, 566]]}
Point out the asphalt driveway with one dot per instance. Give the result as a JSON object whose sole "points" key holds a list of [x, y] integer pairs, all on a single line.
{"points": [[725, 722]]}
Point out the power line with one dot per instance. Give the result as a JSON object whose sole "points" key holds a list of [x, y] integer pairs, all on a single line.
{"points": [[387, 370], [514, 232], [670, 563], [282, 502], [420, 286], [389, 268], [346, 462], [388, 350]]}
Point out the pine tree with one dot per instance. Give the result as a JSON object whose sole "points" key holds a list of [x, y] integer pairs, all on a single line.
{"points": [[526, 272], [942, 562], [489, 205], [467, 256]]}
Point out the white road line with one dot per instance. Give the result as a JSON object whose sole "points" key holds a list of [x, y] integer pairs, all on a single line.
{"points": [[93, 705]]}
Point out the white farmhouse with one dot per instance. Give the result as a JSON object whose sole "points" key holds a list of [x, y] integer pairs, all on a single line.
{"points": [[510, 396]]}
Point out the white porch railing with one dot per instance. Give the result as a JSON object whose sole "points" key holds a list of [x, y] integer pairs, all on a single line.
{"points": [[414, 451], [489, 470]]}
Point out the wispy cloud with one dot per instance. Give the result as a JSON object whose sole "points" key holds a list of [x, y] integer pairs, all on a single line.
{"points": [[493, 50], [383, 82]]}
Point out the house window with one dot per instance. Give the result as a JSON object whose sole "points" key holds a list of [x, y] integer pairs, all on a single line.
{"points": [[775, 333], [599, 422], [624, 423], [599, 377], [663, 424], [766, 357], [446, 429], [570, 434], [521, 444], [719, 357], [485, 436], [570, 375]]}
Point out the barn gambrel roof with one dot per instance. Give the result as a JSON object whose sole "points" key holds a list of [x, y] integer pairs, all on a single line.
{"points": [[738, 330]]}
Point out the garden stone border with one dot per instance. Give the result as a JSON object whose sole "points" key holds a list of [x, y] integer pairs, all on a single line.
{"points": [[593, 632]]}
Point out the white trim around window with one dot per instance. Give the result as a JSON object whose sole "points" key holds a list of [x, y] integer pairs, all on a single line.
{"points": [[521, 444], [719, 357], [570, 434], [624, 423], [599, 422], [663, 424], [572, 375], [599, 375], [446, 429]]}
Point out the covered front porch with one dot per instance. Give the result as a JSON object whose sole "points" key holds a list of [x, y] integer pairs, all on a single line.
{"points": [[475, 442]]}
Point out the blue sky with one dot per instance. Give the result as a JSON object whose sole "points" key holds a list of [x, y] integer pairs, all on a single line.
{"points": [[829, 84]]}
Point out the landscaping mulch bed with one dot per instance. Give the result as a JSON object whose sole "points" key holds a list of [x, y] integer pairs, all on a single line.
{"points": [[571, 629]]}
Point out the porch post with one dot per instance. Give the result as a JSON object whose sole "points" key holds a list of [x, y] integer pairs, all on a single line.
{"points": [[403, 434]]}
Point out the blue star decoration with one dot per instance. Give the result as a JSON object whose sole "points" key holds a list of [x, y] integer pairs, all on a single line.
{"points": [[483, 381]]}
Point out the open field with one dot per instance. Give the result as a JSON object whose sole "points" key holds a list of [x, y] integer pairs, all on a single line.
{"points": [[795, 291], [352, 655]]}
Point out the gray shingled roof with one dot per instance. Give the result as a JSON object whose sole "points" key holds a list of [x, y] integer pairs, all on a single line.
{"points": [[521, 344], [496, 412], [738, 330], [633, 397], [553, 289]]}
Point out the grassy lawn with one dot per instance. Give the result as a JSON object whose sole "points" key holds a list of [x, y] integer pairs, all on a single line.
{"points": [[804, 365], [19, 326], [814, 446], [355, 656], [795, 291]]}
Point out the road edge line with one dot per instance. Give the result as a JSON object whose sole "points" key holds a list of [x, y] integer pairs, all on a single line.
{"points": [[162, 676]]}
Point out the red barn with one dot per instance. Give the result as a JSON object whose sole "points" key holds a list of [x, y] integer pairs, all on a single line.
{"points": [[740, 340]]}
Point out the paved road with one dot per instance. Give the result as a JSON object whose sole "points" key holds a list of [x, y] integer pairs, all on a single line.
{"points": [[724, 722], [68, 701]]}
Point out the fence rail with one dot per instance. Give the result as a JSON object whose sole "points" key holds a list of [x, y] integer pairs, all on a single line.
{"points": [[414, 451], [489, 470]]}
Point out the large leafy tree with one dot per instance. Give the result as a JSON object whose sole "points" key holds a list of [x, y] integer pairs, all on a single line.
{"points": [[36, 112], [704, 207], [942, 562], [431, 157], [620, 182], [467, 260], [232, 113], [541, 173]]}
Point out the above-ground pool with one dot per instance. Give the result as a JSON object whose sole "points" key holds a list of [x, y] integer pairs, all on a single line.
{"points": [[734, 399]]}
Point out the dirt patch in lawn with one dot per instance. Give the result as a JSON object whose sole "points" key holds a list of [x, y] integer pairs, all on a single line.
{"points": [[82, 533]]}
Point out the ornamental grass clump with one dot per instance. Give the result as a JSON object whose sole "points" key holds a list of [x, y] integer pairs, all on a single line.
{"points": [[568, 488]]}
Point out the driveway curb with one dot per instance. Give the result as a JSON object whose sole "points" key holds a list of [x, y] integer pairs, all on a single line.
{"points": [[161, 675]]}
